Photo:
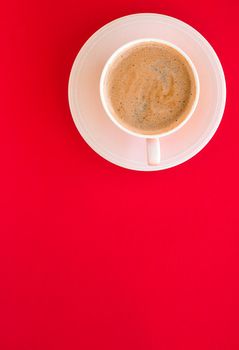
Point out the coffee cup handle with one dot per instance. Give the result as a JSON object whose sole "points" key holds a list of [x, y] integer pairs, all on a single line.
{"points": [[153, 151]]}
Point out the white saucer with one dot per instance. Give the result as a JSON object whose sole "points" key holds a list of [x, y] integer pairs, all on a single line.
{"points": [[98, 130]]}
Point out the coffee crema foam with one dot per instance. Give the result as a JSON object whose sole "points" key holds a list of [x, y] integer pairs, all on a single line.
{"points": [[150, 88]]}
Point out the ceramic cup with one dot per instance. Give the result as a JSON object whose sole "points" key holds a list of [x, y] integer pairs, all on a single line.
{"points": [[152, 141]]}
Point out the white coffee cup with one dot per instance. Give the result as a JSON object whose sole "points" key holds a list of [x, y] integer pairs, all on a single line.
{"points": [[153, 144]]}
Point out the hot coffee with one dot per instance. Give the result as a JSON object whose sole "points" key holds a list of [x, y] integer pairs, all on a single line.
{"points": [[150, 88]]}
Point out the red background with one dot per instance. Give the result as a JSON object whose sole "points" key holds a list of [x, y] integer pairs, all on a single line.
{"points": [[94, 256]]}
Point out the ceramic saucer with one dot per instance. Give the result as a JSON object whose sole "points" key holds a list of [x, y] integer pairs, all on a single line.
{"points": [[107, 139]]}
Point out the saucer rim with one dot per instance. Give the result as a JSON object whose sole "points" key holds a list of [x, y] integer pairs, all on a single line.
{"points": [[197, 146]]}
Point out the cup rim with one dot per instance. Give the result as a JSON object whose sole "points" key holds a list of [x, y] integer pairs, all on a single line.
{"points": [[111, 59]]}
